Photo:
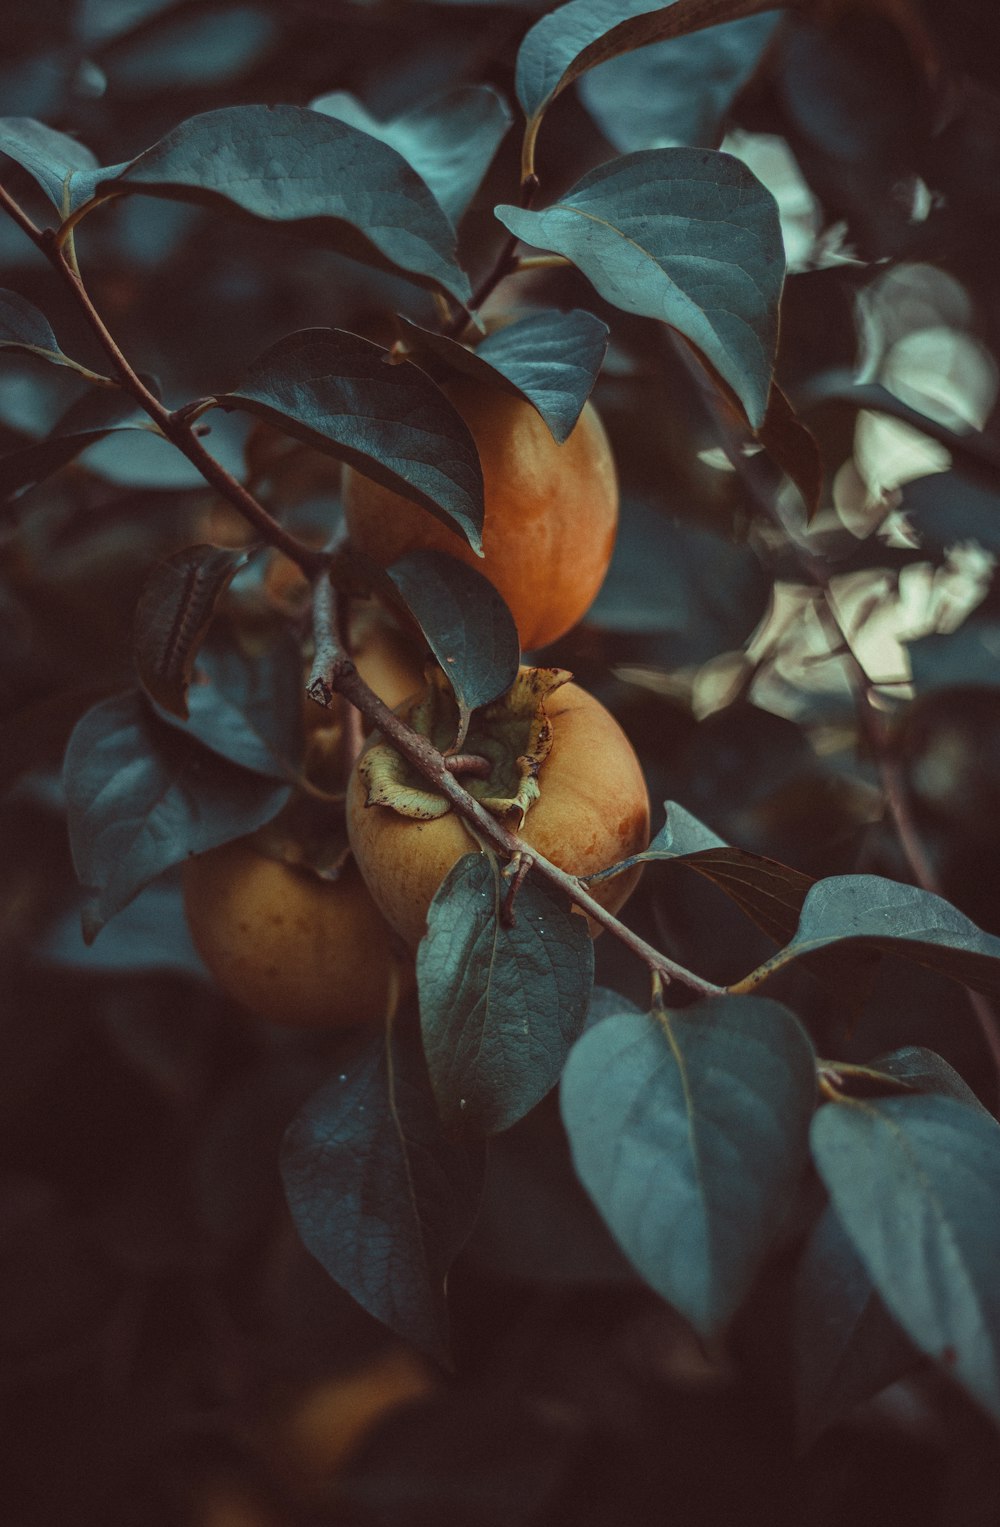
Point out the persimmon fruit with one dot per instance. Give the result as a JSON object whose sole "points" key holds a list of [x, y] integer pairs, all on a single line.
{"points": [[551, 512], [291, 947], [591, 811]]}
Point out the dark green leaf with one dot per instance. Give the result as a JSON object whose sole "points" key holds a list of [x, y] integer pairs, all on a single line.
{"points": [[449, 140], [699, 592], [468, 627], [691, 1139], [141, 798], [846, 1345], [970, 655], [550, 359], [174, 612], [89, 419], [380, 1194], [247, 708], [605, 1003], [499, 1006], [289, 164], [683, 235], [23, 327], [579, 36], [916, 1182], [339, 392], [895, 919], [48, 156], [678, 91], [926, 1071]]}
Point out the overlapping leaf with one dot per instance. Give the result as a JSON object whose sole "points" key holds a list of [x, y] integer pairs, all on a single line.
{"points": [[174, 612], [690, 1135], [339, 392], [92, 417], [141, 797], [550, 359], [468, 627], [23, 327], [381, 1195], [500, 1005], [50, 157], [683, 235], [915, 1182], [449, 140]]}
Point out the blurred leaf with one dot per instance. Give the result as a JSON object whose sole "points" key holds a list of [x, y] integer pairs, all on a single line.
{"points": [[915, 1182], [247, 708], [793, 447], [150, 934], [174, 612], [141, 798], [190, 50], [678, 91], [683, 235], [605, 1003], [449, 140], [846, 1345], [579, 36], [289, 164], [895, 919], [468, 627], [691, 1137], [499, 1006], [380, 1194], [89, 419], [23, 327], [48, 156], [340, 392], [968, 656], [550, 359]]}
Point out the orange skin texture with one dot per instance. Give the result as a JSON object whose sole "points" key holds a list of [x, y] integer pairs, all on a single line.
{"points": [[296, 950], [593, 811], [551, 512]]}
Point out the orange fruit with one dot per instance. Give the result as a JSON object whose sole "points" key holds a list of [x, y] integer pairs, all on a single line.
{"points": [[592, 811], [551, 512]]}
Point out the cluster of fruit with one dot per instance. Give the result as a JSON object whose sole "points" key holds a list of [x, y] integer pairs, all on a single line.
{"points": [[307, 951]]}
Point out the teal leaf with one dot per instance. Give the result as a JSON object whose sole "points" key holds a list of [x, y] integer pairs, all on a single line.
{"points": [[175, 609], [449, 140], [23, 327], [915, 1182], [141, 797], [690, 1134], [468, 627], [381, 1195], [49, 157], [893, 918], [684, 235], [550, 359], [290, 164], [500, 1005], [579, 36], [342, 394], [88, 420]]}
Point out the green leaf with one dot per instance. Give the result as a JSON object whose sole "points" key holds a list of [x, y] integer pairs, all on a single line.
{"points": [[340, 392], [898, 919], [247, 707], [677, 91], [290, 164], [962, 658], [926, 1071], [23, 327], [381, 1195], [48, 156], [499, 1006], [684, 235], [916, 1182], [691, 1137], [579, 36], [88, 420], [847, 1347], [141, 797], [550, 359], [175, 610], [449, 140], [468, 627]]}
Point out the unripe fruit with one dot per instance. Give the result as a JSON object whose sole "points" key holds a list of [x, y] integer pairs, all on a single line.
{"points": [[551, 512], [297, 950], [591, 811]]}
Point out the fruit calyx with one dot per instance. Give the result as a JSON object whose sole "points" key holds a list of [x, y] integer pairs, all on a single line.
{"points": [[513, 733]]}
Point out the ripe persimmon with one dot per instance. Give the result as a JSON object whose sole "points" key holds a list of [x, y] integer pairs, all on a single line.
{"points": [[551, 512], [560, 761], [296, 949]]}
